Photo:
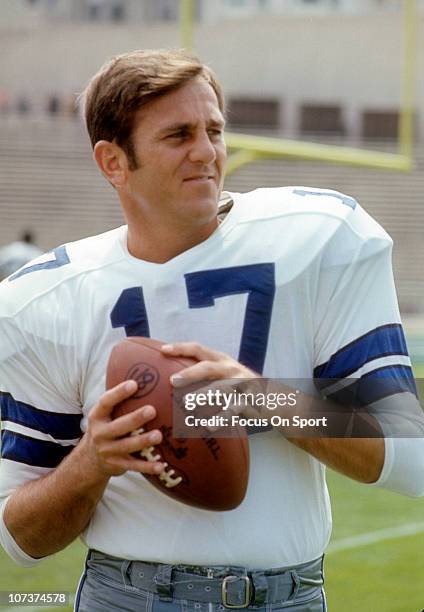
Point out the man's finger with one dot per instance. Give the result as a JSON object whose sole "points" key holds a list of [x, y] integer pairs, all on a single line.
{"points": [[137, 441], [137, 465], [191, 349], [126, 424], [205, 370], [112, 397]]}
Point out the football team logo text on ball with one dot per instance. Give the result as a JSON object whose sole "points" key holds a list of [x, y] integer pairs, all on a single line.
{"points": [[146, 376]]}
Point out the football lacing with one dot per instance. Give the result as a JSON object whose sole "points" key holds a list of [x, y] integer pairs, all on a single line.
{"points": [[167, 476]]}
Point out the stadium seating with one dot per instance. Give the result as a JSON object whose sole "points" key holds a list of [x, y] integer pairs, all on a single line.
{"points": [[50, 184]]}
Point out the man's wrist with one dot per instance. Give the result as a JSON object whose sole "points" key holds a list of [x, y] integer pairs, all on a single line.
{"points": [[88, 468]]}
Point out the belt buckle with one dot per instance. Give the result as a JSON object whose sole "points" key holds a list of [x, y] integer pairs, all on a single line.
{"points": [[247, 591]]}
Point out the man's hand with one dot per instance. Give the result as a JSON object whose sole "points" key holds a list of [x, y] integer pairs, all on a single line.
{"points": [[110, 443], [213, 365], [45, 515], [359, 458], [221, 373]]}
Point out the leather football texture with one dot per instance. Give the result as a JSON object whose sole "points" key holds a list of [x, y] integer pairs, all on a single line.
{"points": [[205, 472]]}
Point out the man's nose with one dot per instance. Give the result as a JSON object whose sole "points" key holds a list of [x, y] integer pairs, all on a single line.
{"points": [[202, 150]]}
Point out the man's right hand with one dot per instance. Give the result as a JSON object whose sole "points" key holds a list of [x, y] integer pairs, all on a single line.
{"points": [[46, 514], [111, 443]]}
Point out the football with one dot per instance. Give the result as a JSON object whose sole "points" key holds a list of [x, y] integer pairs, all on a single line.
{"points": [[205, 472]]}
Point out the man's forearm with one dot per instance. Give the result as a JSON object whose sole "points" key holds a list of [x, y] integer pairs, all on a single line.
{"points": [[359, 458], [45, 515], [359, 455]]}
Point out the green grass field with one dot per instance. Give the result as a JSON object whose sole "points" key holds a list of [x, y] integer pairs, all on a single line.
{"points": [[383, 576], [380, 577]]}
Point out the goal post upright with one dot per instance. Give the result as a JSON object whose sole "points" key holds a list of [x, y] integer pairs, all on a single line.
{"points": [[246, 147]]}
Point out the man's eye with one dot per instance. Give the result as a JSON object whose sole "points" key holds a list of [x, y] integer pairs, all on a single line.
{"points": [[181, 134], [215, 133]]}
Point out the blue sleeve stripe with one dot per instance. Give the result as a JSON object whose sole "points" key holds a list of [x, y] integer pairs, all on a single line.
{"points": [[344, 199], [380, 342], [251, 430], [61, 258], [56, 424], [376, 385], [40, 453]]}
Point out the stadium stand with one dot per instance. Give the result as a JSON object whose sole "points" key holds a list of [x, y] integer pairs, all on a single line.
{"points": [[49, 183]]}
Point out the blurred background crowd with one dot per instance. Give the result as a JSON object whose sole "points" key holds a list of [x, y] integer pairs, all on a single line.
{"points": [[330, 71]]}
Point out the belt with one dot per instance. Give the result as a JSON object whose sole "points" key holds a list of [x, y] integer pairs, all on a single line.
{"points": [[232, 587]]}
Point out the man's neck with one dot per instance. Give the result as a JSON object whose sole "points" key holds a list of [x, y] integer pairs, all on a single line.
{"points": [[161, 244]]}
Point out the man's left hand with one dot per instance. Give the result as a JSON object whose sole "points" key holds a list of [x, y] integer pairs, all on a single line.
{"points": [[213, 365]]}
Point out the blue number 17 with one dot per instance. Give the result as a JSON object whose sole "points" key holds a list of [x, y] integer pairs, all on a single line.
{"points": [[203, 287]]}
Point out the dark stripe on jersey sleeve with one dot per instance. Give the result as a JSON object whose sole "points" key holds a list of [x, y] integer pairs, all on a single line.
{"points": [[376, 385], [61, 258], [40, 453], [251, 430], [56, 424], [344, 199], [380, 342]]}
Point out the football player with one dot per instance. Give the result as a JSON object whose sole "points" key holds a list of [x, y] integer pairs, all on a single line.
{"points": [[291, 283]]}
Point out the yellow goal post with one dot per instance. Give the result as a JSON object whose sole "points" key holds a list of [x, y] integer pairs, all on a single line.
{"points": [[247, 147]]}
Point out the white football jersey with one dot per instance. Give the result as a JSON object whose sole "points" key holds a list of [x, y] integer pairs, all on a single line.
{"points": [[295, 282]]}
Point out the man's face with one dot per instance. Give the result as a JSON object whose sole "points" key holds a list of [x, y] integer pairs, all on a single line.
{"points": [[180, 152]]}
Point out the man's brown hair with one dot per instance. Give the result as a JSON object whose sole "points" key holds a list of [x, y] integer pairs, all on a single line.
{"points": [[128, 82]]}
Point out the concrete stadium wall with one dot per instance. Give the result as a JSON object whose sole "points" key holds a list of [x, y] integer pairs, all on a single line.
{"points": [[354, 61]]}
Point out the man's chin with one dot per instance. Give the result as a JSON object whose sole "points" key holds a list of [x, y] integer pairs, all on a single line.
{"points": [[205, 208], [201, 186]]}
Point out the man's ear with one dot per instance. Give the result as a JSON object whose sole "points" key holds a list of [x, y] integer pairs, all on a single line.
{"points": [[112, 161]]}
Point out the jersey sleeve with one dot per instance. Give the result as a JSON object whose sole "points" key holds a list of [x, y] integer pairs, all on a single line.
{"points": [[357, 321], [361, 355], [40, 408]]}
